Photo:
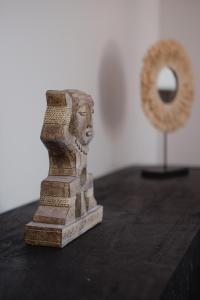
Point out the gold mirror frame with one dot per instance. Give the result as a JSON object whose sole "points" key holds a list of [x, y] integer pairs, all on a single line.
{"points": [[167, 116]]}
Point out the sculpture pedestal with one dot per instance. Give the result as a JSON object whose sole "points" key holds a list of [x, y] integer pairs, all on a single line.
{"points": [[42, 234]]}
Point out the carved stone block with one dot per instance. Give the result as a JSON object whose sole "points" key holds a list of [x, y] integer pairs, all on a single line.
{"points": [[67, 207]]}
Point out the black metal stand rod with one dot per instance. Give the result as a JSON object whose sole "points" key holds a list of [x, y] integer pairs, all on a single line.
{"points": [[165, 158], [165, 171]]}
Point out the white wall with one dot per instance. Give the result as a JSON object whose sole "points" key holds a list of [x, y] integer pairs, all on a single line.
{"points": [[137, 141], [96, 46], [180, 20], [92, 45]]}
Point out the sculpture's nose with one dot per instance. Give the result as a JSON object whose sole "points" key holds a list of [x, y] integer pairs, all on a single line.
{"points": [[89, 120]]}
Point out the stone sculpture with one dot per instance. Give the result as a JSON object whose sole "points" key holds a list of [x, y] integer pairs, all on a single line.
{"points": [[67, 207]]}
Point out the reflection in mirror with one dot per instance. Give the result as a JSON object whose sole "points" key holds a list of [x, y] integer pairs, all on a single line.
{"points": [[167, 85]]}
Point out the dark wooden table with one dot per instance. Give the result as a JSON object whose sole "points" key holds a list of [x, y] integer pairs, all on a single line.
{"points": [[148, 246]]}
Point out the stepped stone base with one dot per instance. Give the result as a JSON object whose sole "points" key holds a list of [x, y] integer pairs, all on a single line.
{"points": [[42, 234]]}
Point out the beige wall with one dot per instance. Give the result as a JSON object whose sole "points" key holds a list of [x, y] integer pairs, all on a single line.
{"points": [[137, 142], [92, 45], [96, 46], [180, 19]]}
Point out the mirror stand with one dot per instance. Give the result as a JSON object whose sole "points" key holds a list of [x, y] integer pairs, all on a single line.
{"points": [[165, 171]]}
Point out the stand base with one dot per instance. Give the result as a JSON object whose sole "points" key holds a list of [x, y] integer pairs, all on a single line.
{"points": [[164, 173], [42, 234]]}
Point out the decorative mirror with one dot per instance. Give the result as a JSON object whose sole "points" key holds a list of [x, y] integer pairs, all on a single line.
{"points": [[167, 87]]}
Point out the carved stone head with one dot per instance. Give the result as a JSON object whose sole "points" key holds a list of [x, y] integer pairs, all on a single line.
{"points": [[81, 123], [67, 130]]}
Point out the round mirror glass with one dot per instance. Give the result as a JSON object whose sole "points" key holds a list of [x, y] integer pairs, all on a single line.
{"points": [[167, 85]]}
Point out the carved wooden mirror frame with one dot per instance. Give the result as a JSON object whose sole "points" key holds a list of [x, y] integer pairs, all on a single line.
{"points": [[167, 116]]}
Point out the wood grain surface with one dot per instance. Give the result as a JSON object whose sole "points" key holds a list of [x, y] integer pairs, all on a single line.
{"points": [[147, 248]]}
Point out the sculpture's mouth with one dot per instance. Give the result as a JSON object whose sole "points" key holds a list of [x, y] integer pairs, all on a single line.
{"points": [[87, 137], [89, 133]]}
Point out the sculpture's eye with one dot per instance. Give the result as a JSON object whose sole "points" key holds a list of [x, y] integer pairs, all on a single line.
{"points": [[82, 113], [92, 110]]}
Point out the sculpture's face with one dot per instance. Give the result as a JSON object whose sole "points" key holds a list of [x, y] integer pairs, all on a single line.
{"points": [[82, 122]]}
